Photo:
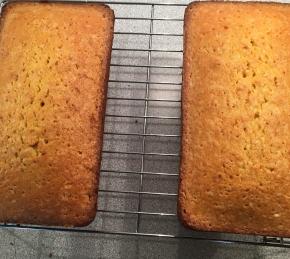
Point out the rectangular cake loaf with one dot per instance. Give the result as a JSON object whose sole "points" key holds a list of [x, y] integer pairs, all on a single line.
{"points": [[54, 68], [235, 165]]}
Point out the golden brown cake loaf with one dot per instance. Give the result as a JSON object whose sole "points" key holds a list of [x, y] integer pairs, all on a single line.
{"points": [[235, 168], [54, 67]]}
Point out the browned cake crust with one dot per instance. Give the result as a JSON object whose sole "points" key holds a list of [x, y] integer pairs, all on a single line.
{"points": [[235, 168], [54, 68]]}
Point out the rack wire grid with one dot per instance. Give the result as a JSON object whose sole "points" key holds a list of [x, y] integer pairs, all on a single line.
{"points": [[140, 166]]}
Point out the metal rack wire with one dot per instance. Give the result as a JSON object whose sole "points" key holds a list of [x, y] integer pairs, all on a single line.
{"points": [[139, 176]]}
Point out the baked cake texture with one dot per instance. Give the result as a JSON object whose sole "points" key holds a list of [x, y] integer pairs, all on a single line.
{"points": [[54, 68], [235, 165]]}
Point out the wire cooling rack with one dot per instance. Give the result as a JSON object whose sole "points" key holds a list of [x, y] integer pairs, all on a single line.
{"points": [[139, 176]]}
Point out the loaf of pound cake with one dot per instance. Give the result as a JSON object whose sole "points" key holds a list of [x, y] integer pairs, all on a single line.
{"points": [[54, 68], [235, 164]]}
